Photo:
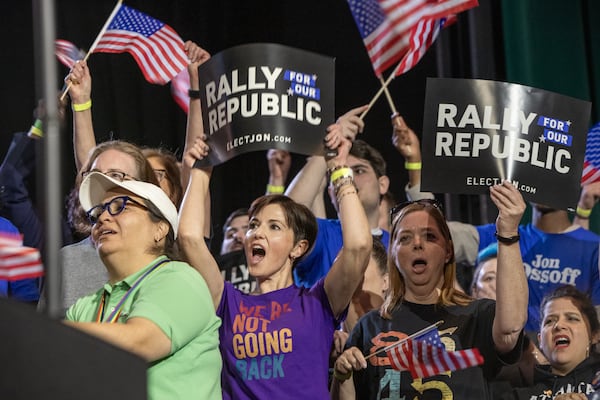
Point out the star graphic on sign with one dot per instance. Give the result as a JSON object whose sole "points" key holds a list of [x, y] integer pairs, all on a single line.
{"points": [[569, 123], [290, 91], [314, 77], [542, 139]]}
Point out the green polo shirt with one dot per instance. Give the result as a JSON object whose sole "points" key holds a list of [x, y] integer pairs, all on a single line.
{"points": [[175, 297]]}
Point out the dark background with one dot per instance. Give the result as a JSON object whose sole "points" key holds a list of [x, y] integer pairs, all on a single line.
{"points": [[125, 106]]}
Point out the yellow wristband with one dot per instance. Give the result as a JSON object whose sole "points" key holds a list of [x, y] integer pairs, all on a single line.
{"points": [[275, 189], [583, 212], [341, 173], [36, 128], [412, 166], [82, 106]]}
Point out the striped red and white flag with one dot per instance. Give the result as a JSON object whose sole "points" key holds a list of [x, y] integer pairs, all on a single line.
{"points": [[67, 53], [591, 164], [180, 85], [18, 261], [386, 25], [155, 46], [426, 355]]}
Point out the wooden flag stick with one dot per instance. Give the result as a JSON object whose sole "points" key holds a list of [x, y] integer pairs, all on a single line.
{"points": [[414, 335], [388, 96], [93, 46], [383, 88]]}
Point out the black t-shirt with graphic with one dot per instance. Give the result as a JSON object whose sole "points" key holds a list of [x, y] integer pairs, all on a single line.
{"points": [[463, 327]]}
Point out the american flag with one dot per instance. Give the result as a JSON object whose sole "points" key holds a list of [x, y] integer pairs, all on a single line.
{"points": [[591, 164], [386, 25], [67, 53], [155, 46], [18, 261], [421, 38], [425, 355], [179, 90]]}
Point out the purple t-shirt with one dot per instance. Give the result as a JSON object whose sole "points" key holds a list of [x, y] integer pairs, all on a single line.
{"points": [[276, 345]]}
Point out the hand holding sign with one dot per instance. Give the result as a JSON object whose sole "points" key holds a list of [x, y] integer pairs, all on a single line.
{"points": [[511, 207], [477, 133], [263, 95], [197, 150]]}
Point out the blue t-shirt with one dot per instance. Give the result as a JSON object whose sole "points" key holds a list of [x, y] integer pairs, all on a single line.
{"points": [[328, 244], [551, 260]]}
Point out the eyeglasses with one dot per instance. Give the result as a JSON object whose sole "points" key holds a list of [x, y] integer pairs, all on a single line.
{"points": [[433, 203], [114, 207], [112, 173], [160, 174]]}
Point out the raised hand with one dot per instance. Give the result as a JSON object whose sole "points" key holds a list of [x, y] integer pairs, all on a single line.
{"points": [[405, 140], [279, 162], [80, 80], [197, 56], [511, 207]]}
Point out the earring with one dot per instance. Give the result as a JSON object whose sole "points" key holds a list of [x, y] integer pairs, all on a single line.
{"points": [[587, 351]]}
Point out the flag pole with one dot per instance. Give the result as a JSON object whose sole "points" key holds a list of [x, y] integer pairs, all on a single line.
{"points": [[93, 46], [388, 96], [383, 88], [399, 342]]}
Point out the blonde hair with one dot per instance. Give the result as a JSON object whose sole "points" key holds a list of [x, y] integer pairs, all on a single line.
{"points": [[449, 294]]}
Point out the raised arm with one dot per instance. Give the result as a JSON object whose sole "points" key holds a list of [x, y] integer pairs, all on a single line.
{"points": [[80, 93], [279, 162], [587, 200], [349, 266], [194, 128], [305, 186], [192, 216], [408, 145], [512, 293]]}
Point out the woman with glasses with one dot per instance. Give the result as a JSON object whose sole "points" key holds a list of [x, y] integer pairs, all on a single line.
{"points": [[276, 341], [83, 271], [150, 305], [167, 172], [422, 272]]}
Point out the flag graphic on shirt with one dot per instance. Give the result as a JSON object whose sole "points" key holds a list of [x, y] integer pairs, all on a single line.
{"points": [[18, 261], [591, 163], [387, 27], [67, 53], [425, 355], [155, 46]]}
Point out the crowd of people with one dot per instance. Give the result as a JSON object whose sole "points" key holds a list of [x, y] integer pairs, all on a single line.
{"points": [[296, 305]]}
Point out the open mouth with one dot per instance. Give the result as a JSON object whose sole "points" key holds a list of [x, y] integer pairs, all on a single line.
{"points": [[257, 254], [561, 341], [419, 265]]}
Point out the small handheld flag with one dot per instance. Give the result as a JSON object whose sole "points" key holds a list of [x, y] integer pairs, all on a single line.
{"points": [[155, 46], [591, 163], [425, 356], [180, 85], [18, 261], [387, 27], [401, 31], [67, 53]]}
